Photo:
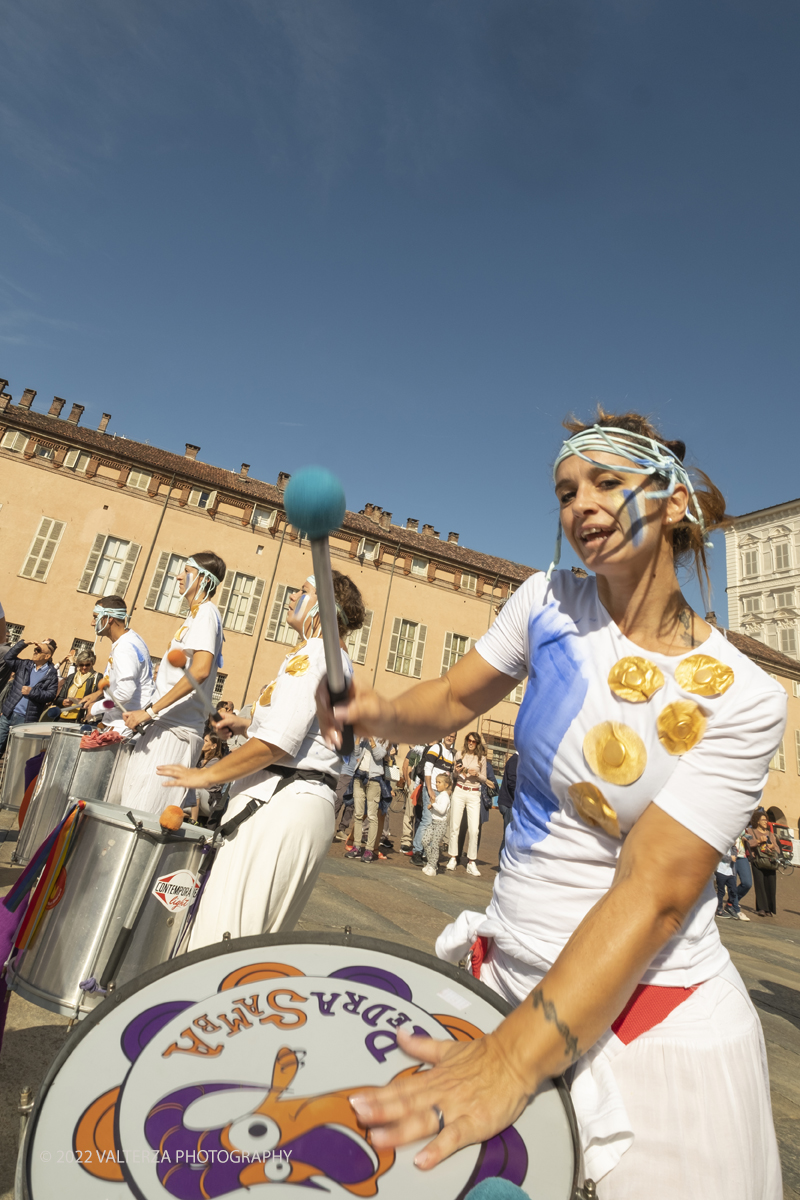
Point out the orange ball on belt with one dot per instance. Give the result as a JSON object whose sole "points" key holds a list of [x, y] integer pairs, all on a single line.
{"points": [[171, 817], [176, 658]]}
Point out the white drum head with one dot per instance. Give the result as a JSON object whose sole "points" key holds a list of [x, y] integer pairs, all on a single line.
{"points": [[226, 1073]]}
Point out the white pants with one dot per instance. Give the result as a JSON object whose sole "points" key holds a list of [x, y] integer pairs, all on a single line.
{"points": [[471, 800], [143, 789], [265, 872], [674, 1108]]}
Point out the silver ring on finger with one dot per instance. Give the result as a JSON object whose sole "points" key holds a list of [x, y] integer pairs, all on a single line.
{"points": [[439, 1116]]}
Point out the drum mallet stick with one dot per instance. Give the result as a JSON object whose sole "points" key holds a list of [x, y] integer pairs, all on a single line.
{"points": [[177, 658], [315, 505]]}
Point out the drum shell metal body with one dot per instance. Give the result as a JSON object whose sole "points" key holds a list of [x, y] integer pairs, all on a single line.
{"points": [[68, 774], [24, 741], [77, 935]]}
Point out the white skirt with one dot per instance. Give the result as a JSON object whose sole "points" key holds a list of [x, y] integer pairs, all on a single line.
{"points": [[143, 789], [683, 1110], [264, 874]]}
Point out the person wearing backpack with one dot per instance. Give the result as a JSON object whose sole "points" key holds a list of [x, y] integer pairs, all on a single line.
{"points": [[408, 783], [437, 758]]}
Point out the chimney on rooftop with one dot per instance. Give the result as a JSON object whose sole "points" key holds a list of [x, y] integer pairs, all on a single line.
{"points": [[56, 407], [192, 451], [386, 520], [5, 399], [283, 479], [711, 617], [413, 524], [453, 537], [245, 471], [76, 413], [27, 398], [428, 529], [103, 426]]}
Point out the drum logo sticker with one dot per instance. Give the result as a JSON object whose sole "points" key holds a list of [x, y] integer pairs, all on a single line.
{"points": [[176, 891]]}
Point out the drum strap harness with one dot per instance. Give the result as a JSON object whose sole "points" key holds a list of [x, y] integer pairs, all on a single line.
{"points": [[289, 774]]}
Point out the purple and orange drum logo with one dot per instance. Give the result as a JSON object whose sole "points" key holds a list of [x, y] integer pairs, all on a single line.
{"points": [[250, 1087]]}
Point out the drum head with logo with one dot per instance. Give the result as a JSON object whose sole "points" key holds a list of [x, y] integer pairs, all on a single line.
{"points": [[227, 1073]]}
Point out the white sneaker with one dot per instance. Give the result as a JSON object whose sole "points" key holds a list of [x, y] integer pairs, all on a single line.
{"points": [[740, 916], [451, 866], [428, 869], [472, 869]]}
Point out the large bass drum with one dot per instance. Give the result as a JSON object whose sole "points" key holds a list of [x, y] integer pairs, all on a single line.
{"points": [[124, 873], [231, 1068], [69, 773], [24, 742]]}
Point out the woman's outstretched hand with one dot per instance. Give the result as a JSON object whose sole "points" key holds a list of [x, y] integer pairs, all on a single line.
{"points": [[475, 1085], [368, 713]]}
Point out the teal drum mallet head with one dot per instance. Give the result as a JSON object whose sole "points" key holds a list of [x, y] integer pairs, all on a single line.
{"points": [[314, 502]]}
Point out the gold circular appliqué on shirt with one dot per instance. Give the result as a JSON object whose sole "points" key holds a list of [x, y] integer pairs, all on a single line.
{"points": [[592, 807], [266, 696], [681, 725], [703, 675], [635, 679], [298, 665], [615, 752]]}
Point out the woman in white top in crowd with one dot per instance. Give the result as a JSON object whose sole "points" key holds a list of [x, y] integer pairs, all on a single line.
{"points": [[467, 795], [644, 741], [280, 818], [177, 712]]}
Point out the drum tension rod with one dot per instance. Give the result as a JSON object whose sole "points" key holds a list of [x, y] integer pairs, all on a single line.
{"points": [[588, 1191], [24, 1108]]}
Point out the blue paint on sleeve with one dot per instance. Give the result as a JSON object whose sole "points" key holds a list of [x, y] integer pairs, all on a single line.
{"points": [[555, 694], [634, 512]]}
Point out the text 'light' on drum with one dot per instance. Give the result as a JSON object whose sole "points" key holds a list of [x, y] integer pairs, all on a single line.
{"points": [[235, 1064]]}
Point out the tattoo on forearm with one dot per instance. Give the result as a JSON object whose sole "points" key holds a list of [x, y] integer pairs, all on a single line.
{"points": [[549, 1012]]}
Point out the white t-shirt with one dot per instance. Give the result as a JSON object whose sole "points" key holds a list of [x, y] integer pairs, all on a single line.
{"points": [[285, 715], [200, 632], [556, 866], [445, 753], [130, 678]]}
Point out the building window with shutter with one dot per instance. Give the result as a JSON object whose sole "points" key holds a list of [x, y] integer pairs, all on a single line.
{"points": [[243, 602], [751, 604], [515, 697], [109, 566], [43, 549], [407, 647], [782, 557], [76, 460], [778, 762], [199, 498], [44, 452], [164, 592], [277, 629], [419, 566], [469, 583], [263, 518], [79, 644], [138, 479], [788, 642], [14, 440], [750, 562], [368, 549], [456, 645], [784, 599], [219, 687], [14, 632], [795, 689], [357, 641]]}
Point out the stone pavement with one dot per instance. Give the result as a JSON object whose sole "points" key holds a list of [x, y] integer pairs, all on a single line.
{"points": [[394, 901]]}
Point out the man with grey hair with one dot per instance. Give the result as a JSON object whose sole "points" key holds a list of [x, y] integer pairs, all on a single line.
{"points": [[34, 686]]}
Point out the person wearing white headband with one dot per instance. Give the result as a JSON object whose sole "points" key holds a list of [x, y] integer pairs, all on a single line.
{"points": [[644, 740], [128, 680], [176, 714], [279, 822]]}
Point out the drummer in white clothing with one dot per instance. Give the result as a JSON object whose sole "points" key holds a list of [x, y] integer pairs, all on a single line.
{"points": [[177, 714], [128, 681], [280, 820]]}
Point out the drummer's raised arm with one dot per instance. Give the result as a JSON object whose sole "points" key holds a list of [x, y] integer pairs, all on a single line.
{"points": [[469, 688]]}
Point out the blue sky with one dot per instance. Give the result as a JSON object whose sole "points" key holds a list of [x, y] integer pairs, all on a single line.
{"points": [[404, 239]]}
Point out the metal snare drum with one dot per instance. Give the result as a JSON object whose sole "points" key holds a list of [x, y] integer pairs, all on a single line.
{"points": [[117, 861], [231, 1068], [24, 741], [69, 773]]}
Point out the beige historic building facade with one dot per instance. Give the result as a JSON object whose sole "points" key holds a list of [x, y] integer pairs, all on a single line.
{"points": [[86, 513]]}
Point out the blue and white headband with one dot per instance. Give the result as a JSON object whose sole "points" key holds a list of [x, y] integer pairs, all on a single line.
{"points": [[208, 577], [648, 456], [102, 615]]}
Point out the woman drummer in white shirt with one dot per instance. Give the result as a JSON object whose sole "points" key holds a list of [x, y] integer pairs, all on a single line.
{"points": [[644, 736], [177, 712], [280, 817]]}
